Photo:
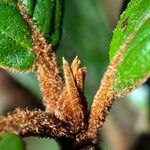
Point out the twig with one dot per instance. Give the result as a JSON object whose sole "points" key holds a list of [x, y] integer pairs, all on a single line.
{"points": [[35, 123]]}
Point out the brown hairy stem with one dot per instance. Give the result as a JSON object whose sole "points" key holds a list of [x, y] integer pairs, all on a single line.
{"points": [[49, 79], [35, 123], [45, 67]]}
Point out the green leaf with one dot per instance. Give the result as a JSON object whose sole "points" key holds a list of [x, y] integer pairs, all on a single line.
{"points": [[56, 32], [48, 16], [43, 14], [10, 2], [11, 142], [15, 38], [132, 39]]}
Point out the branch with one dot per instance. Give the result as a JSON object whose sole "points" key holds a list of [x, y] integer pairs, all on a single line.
{"points": [[33, 123], [45, 67], [50, 82]]}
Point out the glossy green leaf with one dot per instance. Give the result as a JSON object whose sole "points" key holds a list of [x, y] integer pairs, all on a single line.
{"points": [[55, 35], [48, 16], [132, 39], [43, 15], [15, 39], [10, 141]]}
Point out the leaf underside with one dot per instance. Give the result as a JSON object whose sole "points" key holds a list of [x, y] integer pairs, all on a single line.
{"points": [[132, 39], [15, 38]]}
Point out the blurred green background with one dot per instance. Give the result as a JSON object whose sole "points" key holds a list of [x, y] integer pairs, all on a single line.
{"points": [[87, 32]]}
